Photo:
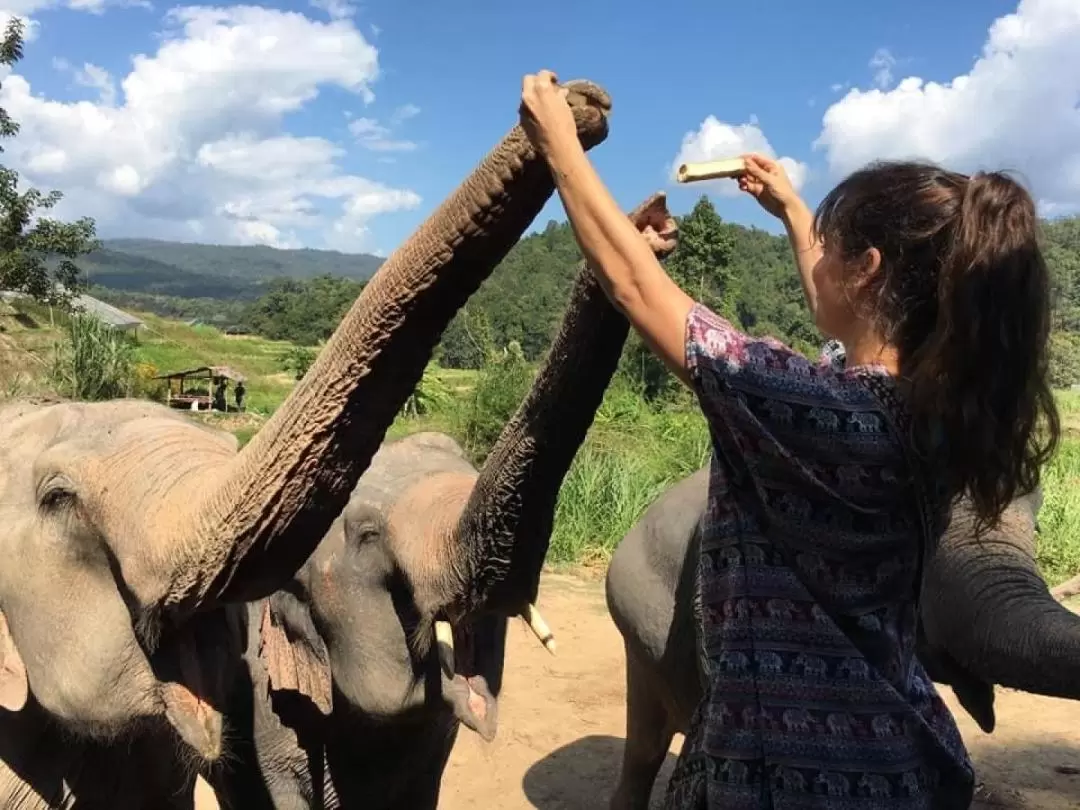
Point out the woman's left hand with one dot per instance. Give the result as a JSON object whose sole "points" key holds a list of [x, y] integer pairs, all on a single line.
{"points": [[546, 117]]}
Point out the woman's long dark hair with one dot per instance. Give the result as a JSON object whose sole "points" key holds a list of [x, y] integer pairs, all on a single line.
{"points": [[963, 293]]}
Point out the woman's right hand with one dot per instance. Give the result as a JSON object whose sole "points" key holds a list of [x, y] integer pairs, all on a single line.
{"points": [[766, 181]]}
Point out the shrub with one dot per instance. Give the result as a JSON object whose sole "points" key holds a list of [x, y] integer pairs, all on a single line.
{"points": [[298, 360], [430, 394], [500, 387], [93, 362], [1064, 359]]}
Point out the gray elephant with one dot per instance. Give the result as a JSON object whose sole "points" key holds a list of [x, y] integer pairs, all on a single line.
{"points": [[393, 632], [130, 533], [986, 618]]}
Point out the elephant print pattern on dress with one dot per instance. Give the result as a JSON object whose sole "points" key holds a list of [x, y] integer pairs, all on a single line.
{"points": [[807, 580]]}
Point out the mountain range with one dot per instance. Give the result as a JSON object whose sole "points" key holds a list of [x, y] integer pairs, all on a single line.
{"points": [[188, 270]]}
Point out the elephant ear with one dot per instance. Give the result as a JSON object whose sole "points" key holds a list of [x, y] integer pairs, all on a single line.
{"points": [[14, 689], [293, 653]]}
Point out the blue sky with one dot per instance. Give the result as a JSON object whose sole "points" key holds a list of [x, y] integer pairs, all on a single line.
{"points": [[445, 79]]}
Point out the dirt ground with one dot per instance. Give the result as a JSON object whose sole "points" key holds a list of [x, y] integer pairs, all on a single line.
{"points": [[561, 726]]}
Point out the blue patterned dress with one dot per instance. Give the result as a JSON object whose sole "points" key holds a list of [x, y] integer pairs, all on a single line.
{"points": [[810, 558]]}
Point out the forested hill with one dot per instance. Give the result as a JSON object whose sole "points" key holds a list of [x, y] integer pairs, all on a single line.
{"points": [[185, 270], [748, 274]]}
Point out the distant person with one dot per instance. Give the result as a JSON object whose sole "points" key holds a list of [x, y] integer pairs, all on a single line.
{"points": [[219, 394], [239, 393], [826, 482]]}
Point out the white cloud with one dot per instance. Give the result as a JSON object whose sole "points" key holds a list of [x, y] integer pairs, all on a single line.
{"points": [[337, 9], [715, 140], [405, 112], [191, 145], [883, 63], [27, 8], [1015, 109], [98, 78], [370, 134]]}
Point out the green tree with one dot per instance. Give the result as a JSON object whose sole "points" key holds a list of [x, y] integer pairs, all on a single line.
{"points": [[701, 264], [29, 241], [500, 387], [298, 360], [467, 341], [1064, 368], [303, 311]]}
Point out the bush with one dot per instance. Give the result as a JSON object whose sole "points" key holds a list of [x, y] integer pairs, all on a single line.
{"points": [[298, 360], [1059, 518], [1064, 359], [500, 387], [430, 394], [146, 386], [94, 362], [634, 452]]}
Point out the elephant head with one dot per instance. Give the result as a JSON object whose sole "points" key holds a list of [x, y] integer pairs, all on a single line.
{"points": [[412, 587], [987, 617], [125, 525]]}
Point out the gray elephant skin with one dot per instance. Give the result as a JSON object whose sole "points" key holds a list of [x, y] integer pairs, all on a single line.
{"points": [[357, 702], [132, 537], [986, 618]]}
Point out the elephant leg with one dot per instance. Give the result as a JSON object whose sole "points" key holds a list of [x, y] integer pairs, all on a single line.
{"points": [[648, 737]]}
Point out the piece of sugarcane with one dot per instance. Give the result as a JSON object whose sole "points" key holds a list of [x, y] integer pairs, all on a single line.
{"points": [[710, 170]]}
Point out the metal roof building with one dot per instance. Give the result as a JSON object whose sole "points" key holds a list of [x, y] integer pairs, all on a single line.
{"points": [[106, 313]]}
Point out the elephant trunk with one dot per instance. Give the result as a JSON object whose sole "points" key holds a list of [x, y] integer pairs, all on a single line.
{"points": [[249, 529], [506, 525], [989, 608]]}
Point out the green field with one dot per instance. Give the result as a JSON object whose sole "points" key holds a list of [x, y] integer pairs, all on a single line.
{"points": [[633, 451]]}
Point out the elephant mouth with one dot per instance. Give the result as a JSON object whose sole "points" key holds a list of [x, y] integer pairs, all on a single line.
{"points": [[190, 692], [463, 686], [467, 671]]}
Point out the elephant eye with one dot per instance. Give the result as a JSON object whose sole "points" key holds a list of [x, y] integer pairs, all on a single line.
{"points": [[367, 533], [55, 492]]}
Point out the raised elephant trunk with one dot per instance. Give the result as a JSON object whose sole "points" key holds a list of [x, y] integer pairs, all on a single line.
{"points": [[506, 525], [989, 608], [249, 528]]}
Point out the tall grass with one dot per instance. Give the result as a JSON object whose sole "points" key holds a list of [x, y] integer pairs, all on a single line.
{"points": [[633, 453], [1059, 519], [93, 362]]}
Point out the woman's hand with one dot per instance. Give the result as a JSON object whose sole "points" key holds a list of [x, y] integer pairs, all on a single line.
{"points": [[545, 115], [766, 181]]}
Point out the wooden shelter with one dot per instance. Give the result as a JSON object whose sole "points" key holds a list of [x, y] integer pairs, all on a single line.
{"points": [[195, 389]]}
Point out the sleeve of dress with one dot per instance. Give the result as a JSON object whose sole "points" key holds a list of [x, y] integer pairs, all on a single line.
{"points": [[716, 349]]}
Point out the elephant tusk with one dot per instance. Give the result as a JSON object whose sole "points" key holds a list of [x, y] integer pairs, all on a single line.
{"points": [[444, 640], [539, 627], [205, 797]]}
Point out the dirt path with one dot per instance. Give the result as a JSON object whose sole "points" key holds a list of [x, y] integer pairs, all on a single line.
{"points": [[561, 724]]}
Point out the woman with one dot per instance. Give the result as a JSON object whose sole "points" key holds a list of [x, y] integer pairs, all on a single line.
{"points": [[827, 481]]}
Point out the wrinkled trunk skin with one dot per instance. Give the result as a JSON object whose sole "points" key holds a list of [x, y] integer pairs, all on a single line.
{"points": [[985, 603], [388, 570], [506, 526], [254, 524]]}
